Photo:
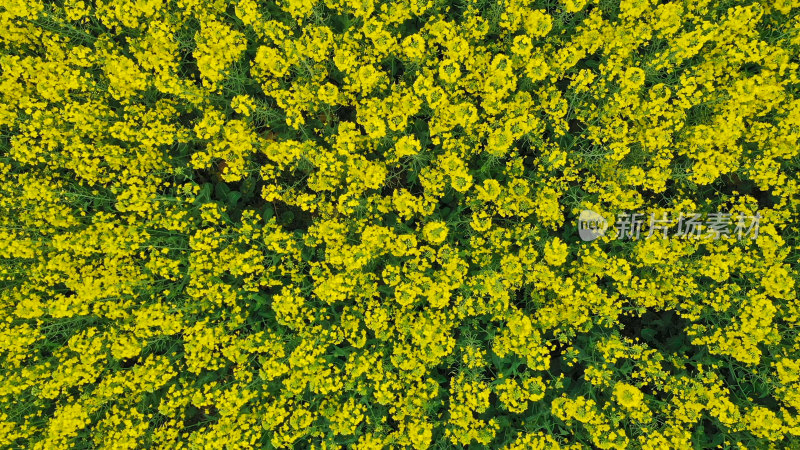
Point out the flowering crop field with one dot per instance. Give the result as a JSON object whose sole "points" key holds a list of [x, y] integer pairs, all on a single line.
{"points": [[514, 224]]}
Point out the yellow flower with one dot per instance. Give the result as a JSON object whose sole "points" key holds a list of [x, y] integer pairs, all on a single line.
{"points": [[627, 395], [555, 252], [489, 190], [328, 93], [574, 6], [481, 221], [449, 71], [406, 146], [435, 232], [538, 23], [243, 104]]}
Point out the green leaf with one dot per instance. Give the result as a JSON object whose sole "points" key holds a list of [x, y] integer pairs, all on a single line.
{"points": [[269, 211], [221, 190], [649, 334], [233, 198], [204, 195]]}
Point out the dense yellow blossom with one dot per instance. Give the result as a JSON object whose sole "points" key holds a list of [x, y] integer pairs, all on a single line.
{"points": [[410, 224]]}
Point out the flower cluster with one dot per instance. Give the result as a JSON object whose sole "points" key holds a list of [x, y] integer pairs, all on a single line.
{"points": [[329, 224]]}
